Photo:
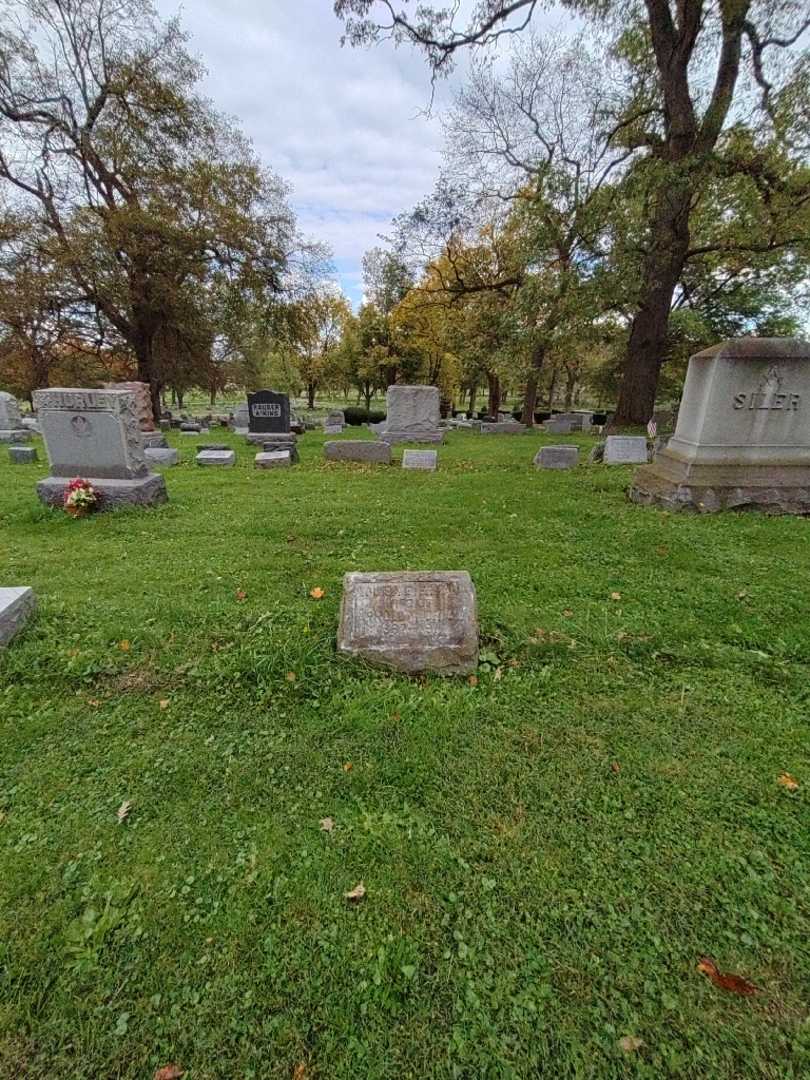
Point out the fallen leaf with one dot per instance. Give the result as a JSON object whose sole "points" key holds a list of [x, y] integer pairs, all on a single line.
{"points": [[290, 676], [348, 767], [317, 594], [357, 893], [473, 680], [568, 613], [93, 702], [662, 551], [735, 984], [164, 704], [241, 596], [123, 810], [124, 646], [629, 1043], [300, 1072], [73, 652], [395, 717], [787, 781], [615, 596], [169, 1072], [615, 767], [498, 674], [327, 824], [742, 595]]}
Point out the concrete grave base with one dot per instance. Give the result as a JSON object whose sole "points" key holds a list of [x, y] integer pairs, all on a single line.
{"points": [[362, 450], [557, 457], [22, 455], [282, 438], [160, 455], [273, 459], [280, 444], [674, 484], [395, 437], [17, 605], [113, 494]]}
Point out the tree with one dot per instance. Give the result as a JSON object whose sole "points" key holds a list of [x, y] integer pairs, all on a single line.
{"points": [[323, 315], [145, 191], [691, 65]]}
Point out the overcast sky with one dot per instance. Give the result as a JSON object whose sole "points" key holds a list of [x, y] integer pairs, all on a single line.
{"points": [[346, 127]]}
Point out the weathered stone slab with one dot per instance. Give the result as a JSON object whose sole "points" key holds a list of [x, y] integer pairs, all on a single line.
{"points": [[277, 444], [273, 459], [411, 621], [557, 457], [505, 427], [17, 605], [221, 458], [555, 426], [333, 429], [22, 455], [162, 455], [143, 402], [742, 439], [625, 450], [413, 415], [149, 490], [188, 427], [154, 440], [427, 460], [358, 450], [12, 429]]}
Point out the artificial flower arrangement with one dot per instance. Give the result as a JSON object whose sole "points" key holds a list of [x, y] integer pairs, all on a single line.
{"points": [[81, 498]]}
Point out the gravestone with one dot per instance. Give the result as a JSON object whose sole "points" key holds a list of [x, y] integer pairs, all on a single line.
{"points": [[188, 427], [268, 414], [30, 424], [143, 402], [223, 458], [413, 415], [22, 455], [625, 450], [362, 450], [411, 621], [427, 460], [12, 429], [280, 444], [505, 427], [240, 424], [559, 426], [162, 455], [742, 439], [17, 605], [94, 434], [273, 459], [557, 457]]}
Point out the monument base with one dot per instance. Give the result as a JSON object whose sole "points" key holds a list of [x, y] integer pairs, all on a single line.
{"points": [[673, 484], [282, 439], [17, 435], [113, 494], [394, 437]]}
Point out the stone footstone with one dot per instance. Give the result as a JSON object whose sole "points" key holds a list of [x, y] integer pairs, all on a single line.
{"points": [[17, 605], [273, 459], [560, 427], [361, 450], [22, 455], [742, 439], [154, 440], [222, 458], [411, 621], [557, 457], [426, 460], [626, 450], [149, 490], [506, 427], [160, 455], [279, 444]]}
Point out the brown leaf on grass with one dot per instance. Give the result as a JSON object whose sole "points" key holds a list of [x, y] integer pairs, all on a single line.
{"points": [[498, 674], [291, 676], [300, 1072], [568, 613], [630, 1043], [241, 596], [317, 594], [348, 767], [164, 704], [615, 596], [356, 894], [169, 1072], [94, 703], [785, 780], [327, 824], [662, 551], [615, 767], [124, 646], [473, 680], [124, 811], [735, 984]]}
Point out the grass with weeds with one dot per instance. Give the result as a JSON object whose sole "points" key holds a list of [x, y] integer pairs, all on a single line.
{"points": [[547, 854]]}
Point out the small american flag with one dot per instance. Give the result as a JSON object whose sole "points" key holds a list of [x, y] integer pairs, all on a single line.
{"points": [[652, 429]]}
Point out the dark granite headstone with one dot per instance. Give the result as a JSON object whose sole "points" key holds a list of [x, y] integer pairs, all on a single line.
{"points": [[268, 412]]}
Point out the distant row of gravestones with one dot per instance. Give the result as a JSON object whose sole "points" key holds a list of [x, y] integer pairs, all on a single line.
{"points": [[742, 440]]}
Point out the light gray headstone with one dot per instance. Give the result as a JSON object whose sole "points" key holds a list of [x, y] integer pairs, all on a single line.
{"points": [[625, 450], [222, 458], [362, 450], [426, 460], [557, 457], [22, 455], [273, 459], [12, 428], [411, 621], [159, 455], [507, 427], [413, 415], [559, 426], [17, 605], [91, 433]]}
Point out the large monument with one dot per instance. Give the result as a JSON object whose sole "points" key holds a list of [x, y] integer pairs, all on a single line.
{"points": [[413, 415], [742, 439], [95, 435]]}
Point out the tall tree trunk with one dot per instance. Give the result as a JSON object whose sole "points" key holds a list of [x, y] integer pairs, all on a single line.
{"points": [[473, 395], [570, 387], [311, 388], [552, 388], [530, 392], [663, 266], [494, 385]]}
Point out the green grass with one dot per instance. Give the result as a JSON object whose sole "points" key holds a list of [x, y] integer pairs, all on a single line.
{"points": [[527, 904]]}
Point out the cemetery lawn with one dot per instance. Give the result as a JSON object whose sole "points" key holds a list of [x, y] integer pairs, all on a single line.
{"points": [[547, 852]]}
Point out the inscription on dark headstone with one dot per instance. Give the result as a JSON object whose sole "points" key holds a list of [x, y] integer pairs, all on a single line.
{"points": [[268, 411]]}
